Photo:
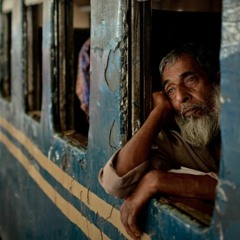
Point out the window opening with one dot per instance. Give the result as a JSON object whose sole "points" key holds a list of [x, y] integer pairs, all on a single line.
{"points": [[72, 32], [5, 46], [33, 85], [81, 31], [175, 23]]}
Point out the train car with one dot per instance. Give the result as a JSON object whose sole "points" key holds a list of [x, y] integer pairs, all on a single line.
{"points": [[51, 151]]}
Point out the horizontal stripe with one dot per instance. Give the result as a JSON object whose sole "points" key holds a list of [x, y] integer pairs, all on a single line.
{"points": [[67, 209], [91, 200]]}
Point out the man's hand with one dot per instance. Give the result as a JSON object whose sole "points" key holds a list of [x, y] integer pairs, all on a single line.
{"points": [[157, 182], [129, 214], [136, 151], [134, 204], [161, 99]]}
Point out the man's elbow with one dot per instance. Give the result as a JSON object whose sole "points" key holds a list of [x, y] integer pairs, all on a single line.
{"points": [[113, 187]]}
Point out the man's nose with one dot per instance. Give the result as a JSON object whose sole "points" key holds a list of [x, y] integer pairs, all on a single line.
{"points": [[182, 95]]}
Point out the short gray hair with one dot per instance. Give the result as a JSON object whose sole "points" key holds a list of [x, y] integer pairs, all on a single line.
{"points": [[204, 56]]}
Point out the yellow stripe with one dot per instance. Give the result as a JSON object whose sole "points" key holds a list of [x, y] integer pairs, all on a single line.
{"points": [[67, 209], [96, 204]]}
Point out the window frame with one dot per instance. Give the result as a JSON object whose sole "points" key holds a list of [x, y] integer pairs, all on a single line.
{"points": [[34, 60], [200, 210], [141, 86], [64, 110], [64, 78], [6, 48]]}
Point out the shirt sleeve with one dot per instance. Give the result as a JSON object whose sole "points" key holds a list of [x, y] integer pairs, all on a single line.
{"points": [[160, 158], [120, 187], [194, 172]]}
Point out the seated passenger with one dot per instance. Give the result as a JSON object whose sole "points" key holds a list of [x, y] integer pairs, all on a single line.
{"points": [[177, 150]]}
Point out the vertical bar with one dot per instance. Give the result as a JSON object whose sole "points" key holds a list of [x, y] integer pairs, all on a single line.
{"points": [[30, 67], [147, 81], [65, 65], [6, 56], [135, 59], [140, 63], [62, 65]]}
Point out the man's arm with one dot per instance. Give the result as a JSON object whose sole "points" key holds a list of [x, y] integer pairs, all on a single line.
{"points": [[137, 149], [158, 182]]}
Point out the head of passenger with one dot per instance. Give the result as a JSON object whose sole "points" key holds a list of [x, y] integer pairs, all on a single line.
{"points": [[190, 79]]}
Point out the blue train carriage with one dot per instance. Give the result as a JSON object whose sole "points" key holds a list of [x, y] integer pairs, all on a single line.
{"points": [[51, 153]]}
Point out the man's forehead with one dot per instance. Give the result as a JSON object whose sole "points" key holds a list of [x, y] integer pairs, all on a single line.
{"points": [[182, 75], [185, 63]]}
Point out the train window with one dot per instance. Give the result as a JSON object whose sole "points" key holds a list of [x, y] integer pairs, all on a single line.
{"points": [[73, 30], [33, 84], [173, 23], [5, 48]]}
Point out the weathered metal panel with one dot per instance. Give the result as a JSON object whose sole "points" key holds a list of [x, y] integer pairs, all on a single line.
{"points": [[227, 207], [109, 72]]}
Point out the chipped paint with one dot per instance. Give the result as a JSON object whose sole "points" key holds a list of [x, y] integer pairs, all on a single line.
{"points": [[222, 100], [221, 189], [50, 152], [112, 72], [230, 28], [113, 137], [220, 231]]}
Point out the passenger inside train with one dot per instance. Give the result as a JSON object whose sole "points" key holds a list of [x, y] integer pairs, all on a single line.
{"points": [[83, 78], [177, 150]]}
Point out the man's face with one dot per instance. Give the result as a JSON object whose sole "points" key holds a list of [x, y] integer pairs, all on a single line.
{"points": [[187, 86], [194, 99]]}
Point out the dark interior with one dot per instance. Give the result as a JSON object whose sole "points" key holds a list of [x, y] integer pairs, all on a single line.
{"points": [[81, 123], [172, 28]]}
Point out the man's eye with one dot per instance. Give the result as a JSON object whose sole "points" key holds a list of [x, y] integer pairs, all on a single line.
{"points": [[190, 81], [170, 92]]}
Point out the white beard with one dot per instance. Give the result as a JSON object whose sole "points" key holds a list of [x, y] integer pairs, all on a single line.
{"points": [[200, 131]]}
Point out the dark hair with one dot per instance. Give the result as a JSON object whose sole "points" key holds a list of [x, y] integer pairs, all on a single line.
{"points": [[204, 56]]}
